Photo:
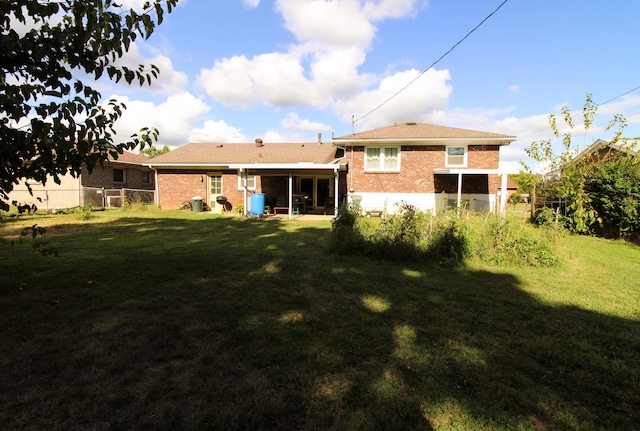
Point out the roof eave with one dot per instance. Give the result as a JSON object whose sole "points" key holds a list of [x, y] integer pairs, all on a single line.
{"points": [[289, 166], [426, 141]]}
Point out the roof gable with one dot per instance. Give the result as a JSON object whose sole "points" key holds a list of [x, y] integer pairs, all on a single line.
{"points": [[426, 133]]}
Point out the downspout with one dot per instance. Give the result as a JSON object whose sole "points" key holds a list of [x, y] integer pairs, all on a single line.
{"points": [[459, 192], [245, 193], [156, 187]]}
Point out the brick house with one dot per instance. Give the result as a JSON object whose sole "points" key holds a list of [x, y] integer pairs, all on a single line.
{"points": [[305, 174], [107, 185], [431, 167]]}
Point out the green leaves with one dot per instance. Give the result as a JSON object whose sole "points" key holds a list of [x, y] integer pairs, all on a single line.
{"points": [[38, 70], [587, 175]]}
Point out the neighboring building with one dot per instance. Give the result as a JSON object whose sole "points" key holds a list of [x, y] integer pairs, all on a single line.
{"points": [[431, 167], [116, 181], [602, 150]]}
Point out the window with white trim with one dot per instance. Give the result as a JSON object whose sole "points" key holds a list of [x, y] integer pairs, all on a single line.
{"points": [[250, 181], [456, 156], [382, 159], [216, 184]]}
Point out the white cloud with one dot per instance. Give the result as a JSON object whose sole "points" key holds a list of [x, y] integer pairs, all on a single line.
{"points": [[321, 68], [351, 21], [169, 80], [293, 122], [423, 101], [174, 118], [514, 89], [218, 132], [384, 9], [308, 20], [279, 79], [250, 4]]}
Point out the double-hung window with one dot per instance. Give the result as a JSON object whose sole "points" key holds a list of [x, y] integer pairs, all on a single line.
{"points": [[250, 181], [382, 159], [456, 156]]}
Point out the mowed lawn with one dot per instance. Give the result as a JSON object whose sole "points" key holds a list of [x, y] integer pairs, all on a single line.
{"points": [[169, 320]]}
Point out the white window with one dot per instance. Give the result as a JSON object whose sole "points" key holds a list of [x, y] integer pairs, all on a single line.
{"points": [[382, 159], [456, 156], [251, 181], [216, 184]]}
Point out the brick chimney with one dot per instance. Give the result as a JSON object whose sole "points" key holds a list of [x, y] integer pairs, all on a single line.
{"points": [[259, 143], [319, 138]]}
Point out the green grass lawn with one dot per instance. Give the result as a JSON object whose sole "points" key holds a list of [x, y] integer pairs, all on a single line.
{"points": [[170, 320]]}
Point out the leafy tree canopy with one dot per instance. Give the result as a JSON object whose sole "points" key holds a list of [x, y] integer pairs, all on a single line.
{"points": [[526, 181], [51, 120], [599, 184], [152, 151]]}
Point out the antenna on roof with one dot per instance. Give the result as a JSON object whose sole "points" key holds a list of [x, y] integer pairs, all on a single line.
{"points": [[353, 124]]}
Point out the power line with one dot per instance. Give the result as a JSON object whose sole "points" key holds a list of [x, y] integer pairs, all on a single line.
{"points": [[355, 120], [597, 106], [617, 97]]}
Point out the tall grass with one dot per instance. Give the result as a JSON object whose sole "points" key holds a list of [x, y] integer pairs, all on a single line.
{"points": [[445, 239]]}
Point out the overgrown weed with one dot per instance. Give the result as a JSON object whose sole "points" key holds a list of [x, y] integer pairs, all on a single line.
{"points": [[447, 239]]}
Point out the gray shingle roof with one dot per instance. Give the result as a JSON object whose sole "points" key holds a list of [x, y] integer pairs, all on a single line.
{"points": [[421, 131], [225, 154]]}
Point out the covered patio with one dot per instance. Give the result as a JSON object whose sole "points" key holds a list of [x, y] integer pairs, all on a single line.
{"points": [[294, 188], [472, 186]]}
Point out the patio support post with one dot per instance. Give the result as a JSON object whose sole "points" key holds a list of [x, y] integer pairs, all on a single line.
{"points": [[503, 195], [459, 193], [244, 191], [290, 194], [336, 177]]}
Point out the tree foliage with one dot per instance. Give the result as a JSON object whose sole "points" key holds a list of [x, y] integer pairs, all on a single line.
{"points": [[614, 191], [152, 151], [51, 121], [601, 188], [526, 181]]}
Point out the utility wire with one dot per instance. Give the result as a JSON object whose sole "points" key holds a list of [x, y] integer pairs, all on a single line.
{"points": [[597, 105], [355, 120]]}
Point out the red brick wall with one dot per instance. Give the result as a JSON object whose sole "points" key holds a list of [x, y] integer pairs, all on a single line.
{"points": [[483, 156], [177, 186], [417, 164]]}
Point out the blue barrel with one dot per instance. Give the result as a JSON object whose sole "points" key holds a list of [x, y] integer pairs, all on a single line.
{"points": [[257, 203]]}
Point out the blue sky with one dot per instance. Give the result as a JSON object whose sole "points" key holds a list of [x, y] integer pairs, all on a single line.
{"points": [[286, 70]]}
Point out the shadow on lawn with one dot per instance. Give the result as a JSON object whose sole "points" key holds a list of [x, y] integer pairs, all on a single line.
{"points": [[228, 324]]}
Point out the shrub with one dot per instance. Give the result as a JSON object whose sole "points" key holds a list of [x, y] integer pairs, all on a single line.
{"points": [[412, 235], [450, 244], [85, 212], [346, 238]]}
